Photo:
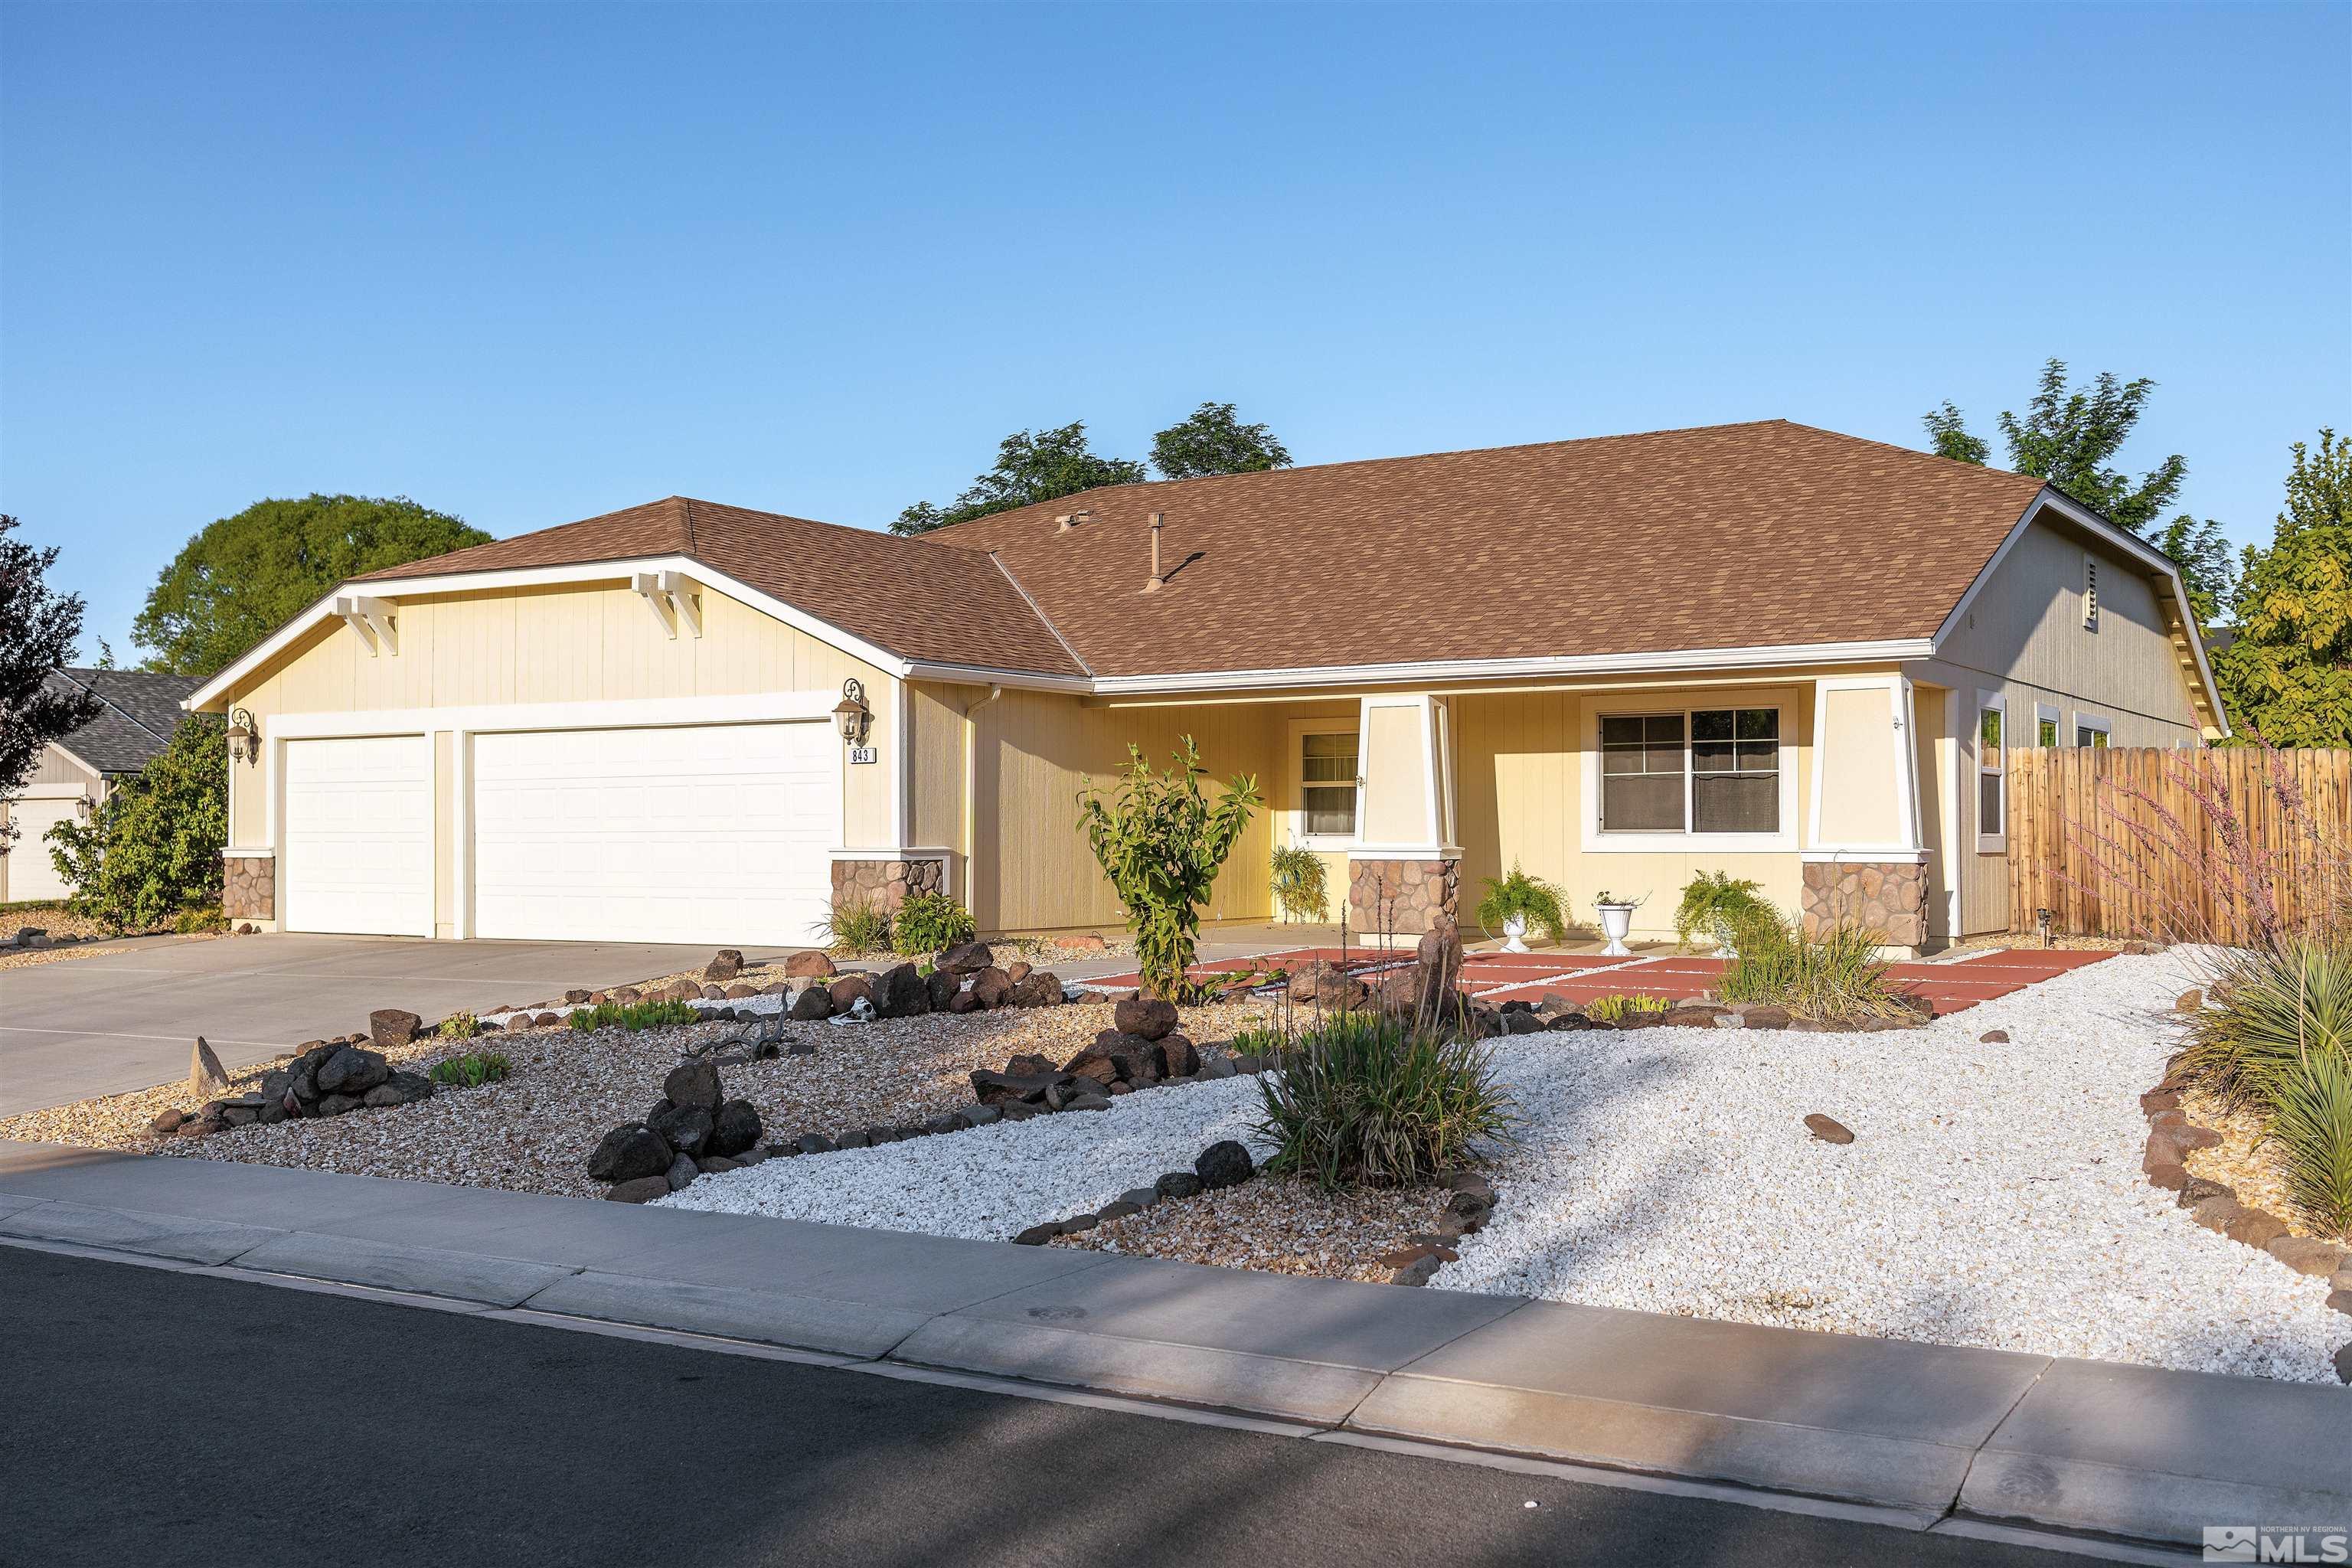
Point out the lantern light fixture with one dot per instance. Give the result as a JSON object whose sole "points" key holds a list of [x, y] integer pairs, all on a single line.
{"points": [[244, 744], [851, 715]]}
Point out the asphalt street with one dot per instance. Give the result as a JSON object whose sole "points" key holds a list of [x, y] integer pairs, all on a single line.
{"points": [[158, 1417]]}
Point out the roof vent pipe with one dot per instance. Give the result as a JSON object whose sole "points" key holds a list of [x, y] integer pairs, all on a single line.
{"points": [[1157, 518], [1070, 520]]}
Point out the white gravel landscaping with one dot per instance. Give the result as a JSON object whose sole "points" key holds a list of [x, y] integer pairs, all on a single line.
{"points": [[1992, 1195], [991, 1182]]}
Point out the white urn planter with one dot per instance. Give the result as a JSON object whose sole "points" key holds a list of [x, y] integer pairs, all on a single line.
{"points": [[1616, 920], [1515, 931]]}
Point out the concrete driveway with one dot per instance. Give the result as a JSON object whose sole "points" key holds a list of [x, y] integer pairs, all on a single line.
{"points": [[100, 1026]]}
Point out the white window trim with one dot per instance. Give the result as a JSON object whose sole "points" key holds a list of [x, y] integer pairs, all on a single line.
{"points": [[1334, 724], [2100, 723], [1990, 843], [2047, 713], [1689, 841]]}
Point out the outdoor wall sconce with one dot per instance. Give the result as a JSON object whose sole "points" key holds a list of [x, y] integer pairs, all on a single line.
{"points": [[243, 744], [850, 715]]}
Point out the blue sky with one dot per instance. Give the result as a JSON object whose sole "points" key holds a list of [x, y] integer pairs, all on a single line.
{"points": [[528, 264]]}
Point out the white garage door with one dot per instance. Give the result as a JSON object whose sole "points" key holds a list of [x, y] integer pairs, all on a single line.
{"points": [[30, 871], [703, 833], [359, 835]]}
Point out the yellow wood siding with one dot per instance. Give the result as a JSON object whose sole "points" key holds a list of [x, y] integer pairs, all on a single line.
{"points": [[936, 755]]}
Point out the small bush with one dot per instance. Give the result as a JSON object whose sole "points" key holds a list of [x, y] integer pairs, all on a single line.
{"points": [[1838, 977], [460, 1026], [858, 925], [2311, 1118], [199, 917], [2273, 1008], [926, 922], [471, 1070], [1531, 898], [1617, 1009], [1367, 1098], [1716, 903], [1299, 891], [634, 1016]]}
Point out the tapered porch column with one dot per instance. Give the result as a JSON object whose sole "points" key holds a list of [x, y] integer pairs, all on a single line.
{"points": [[1406, 869], [1864, 858]]}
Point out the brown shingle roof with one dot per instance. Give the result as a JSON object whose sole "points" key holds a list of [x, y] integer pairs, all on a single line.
{"points": [[1724, 536], [953, 606]]}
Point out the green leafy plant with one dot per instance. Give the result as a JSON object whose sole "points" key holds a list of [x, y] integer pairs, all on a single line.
{"points": [[2310, 1121], [1161, 840], [634, 1015], [857, 925], [1605, 899], [1617, 1008], [1532, 899], [199, 917], [460, 1026], [926, 922], [1298, 882], [1837, 976], [1373, 1099], [471, 1070], [151, 849], [1714, 902]]}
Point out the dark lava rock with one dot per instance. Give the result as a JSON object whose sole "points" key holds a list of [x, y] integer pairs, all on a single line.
{"points": [[964, 958], [1148, 1018], [901, 993], [629, 1152], [1224, 1163], [389, 1026], [694, 1083], [1178, 1185], [812, 1005], [684, 1128], [639, 1190], [735, 1129], [682, 1172], [352, 1071]]}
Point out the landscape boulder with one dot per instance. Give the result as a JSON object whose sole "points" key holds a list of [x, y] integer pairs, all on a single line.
{"points": [[629, 1152], [1005, 1088], [725, 966], [1039, 988], [814, 1004], [684, 1128], [1327, 985], [1149, 1018], [1177, 1056], [351, 1071], [900, 993], [205, 1074], [1224, 1163], [642, 1190], [693, 1083], [942, 988], [990, 986], [848, 991], [397, 1088], [389, 1026], [1437, 967], [735, 1129], [809, 965], [682, 1172], [964, 958]]}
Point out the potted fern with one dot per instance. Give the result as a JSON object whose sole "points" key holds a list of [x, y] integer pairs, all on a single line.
{"points": [[1514, 902], [1616, 920], [1716, 902]]}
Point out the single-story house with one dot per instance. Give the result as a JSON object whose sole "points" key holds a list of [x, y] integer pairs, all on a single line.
{"points": [[1761, 648], [137, 713]]}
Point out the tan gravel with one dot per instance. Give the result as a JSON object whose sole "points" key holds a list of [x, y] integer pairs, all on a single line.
{"points": [[2254, 1170], [25, 958], [1276, 1224], [533, 1132]]}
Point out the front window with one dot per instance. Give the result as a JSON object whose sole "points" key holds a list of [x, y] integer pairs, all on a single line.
{"points": [[1327, 786], [1713, 771], [1992, 800], [2086, 736]]}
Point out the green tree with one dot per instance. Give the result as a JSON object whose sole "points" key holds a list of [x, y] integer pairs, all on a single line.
{"points": [[1161, 840], [2288, 675], [242, 577], [1212, 441], [38, 628], [1031, 466], [152, 851], [2069, 436]]}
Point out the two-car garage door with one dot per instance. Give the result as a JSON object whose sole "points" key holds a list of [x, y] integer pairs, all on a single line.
{"points": [[690, 834]]}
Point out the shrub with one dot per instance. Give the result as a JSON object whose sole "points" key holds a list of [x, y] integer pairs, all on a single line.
{"points": [[1299, 883], [1531, 898], [152, 850], [2311, 1118], [1162, 841], [858, 925], [199, 917], [1369, 1098], [1617, 1009], [471, 1070], [460, 1026], [1838, 976], [927, 922], [634, 1016], [1716, 902], [2273, 1009]]}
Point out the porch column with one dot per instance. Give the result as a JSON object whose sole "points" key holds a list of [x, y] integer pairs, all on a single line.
{"points": [[1865, 861], [1405, 872]]}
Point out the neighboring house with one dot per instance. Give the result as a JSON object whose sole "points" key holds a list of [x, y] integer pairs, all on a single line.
{"points": [[138, 713], [1761, 648]]}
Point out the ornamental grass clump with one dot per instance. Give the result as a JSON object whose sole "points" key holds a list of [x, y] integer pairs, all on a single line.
{"points": [[1162, 841], [1837, 977], [1371, 1099], [855, 925]]}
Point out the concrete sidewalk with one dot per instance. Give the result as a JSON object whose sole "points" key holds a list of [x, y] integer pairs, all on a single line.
{"points": [[1935, 1436]]}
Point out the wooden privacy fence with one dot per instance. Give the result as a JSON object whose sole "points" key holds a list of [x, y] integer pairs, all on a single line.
{"points": [[2146, 842]]}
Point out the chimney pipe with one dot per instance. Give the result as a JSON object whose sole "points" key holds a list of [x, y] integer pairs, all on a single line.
{"points": [[1157, 518]]}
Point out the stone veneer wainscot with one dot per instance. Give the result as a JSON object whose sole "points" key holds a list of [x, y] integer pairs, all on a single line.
{"points": [[1401, 896], [249, 886], [887, 882], [1889, 897]]}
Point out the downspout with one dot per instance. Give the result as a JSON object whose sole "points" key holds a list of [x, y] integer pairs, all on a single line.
{"points": [[972, 788]]}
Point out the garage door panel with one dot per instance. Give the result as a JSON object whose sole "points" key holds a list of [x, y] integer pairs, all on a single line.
{"points": [[31, 873], [707, 833], [359, 835]]}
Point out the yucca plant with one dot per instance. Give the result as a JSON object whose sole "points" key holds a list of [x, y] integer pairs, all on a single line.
{"points": [[1716, 902], [2273, 1009], [1299, 883], [2310, 1121], [1837, 976], [1372, 1099]]}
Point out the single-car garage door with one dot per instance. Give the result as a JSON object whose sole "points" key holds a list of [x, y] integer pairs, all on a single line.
{"points": [[31, 874], [359, 835], [707, 833]]}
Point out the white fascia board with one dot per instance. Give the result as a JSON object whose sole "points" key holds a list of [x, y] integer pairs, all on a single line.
{"points": [[1782, 655], [987, 675], [621, 571], [2157, 563]]}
